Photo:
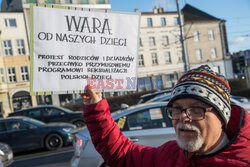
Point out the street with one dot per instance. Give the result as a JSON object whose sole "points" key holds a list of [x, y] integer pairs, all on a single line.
{"points": [[40, 158]]}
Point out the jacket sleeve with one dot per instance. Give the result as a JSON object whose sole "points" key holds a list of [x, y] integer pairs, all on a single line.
{"points": [[109, 141]]}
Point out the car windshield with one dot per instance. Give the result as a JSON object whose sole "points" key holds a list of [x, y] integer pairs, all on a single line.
{"points": [[34, 121]]}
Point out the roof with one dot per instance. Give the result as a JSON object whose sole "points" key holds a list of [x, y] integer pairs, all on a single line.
{"points": [[193, 14]]}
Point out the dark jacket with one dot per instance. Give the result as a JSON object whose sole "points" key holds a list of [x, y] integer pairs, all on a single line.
{"points": [[118, 151]]}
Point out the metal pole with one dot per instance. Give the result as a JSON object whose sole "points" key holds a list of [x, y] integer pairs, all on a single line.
{"points": [[184, 53]]}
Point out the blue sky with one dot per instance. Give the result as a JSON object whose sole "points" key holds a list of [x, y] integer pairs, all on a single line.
{"points": [[235, 12]]}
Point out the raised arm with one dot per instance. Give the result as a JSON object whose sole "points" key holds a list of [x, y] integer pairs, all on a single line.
{"points": [[107, 138]]}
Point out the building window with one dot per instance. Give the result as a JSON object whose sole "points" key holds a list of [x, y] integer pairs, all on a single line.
{"points": [[158, 84], [171, 80], [211, 35], [31, 1], [152, 41], [150, 22], [84, 1], [101, 1], [141, 60], [10, 22], [154, 58], [20, 47], [50, 1], [196, 36], [180, 57], [12, 74], [213, 53], [198, 54], [140, 42], [7, 48], [2, 75], [176, 21], [24, 73], [144, 84], [167, 57], [165, 40], [163, 21], [68, 1]]}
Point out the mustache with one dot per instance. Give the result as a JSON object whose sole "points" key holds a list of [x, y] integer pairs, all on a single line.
{"points": [[187, 127]]}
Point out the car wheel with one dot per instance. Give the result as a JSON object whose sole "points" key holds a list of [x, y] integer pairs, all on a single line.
{"points": [[79, 123], [53, 142]]}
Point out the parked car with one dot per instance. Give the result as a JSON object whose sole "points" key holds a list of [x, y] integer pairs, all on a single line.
{"points": [[147, 97], [244, 104], [145, 124], [6, 154], [235, 100], [240, 98], [163, 97], [23, 133], [50, 113]]}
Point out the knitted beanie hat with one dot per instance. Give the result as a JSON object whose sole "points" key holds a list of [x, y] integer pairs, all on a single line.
{"points": [[207, 86]]}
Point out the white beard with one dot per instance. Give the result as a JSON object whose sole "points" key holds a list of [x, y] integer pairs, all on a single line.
{"points": [[192, 145]]}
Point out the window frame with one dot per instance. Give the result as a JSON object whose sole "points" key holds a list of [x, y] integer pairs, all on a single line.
{"points": [[20, 47], [165, 40], [176, 20], [152, 41], [12, 75], [149, 22], [168, 59], [163, 21], [24, 73], [196, 36], [2, 73], [7, 47], [8, 23], [154, 58], [198, 56], [141, 60], [180, 56], [211, 35], [213, 53]]}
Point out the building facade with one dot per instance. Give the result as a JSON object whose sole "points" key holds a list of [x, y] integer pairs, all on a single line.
{"points": [[14, 64], [206, 41], [15, 56], [160, 61]]}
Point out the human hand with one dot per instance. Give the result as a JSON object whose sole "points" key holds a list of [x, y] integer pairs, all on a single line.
{"points": [[90, 96]]}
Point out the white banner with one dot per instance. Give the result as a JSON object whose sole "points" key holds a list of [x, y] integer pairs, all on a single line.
{"points": [[72, 48]]}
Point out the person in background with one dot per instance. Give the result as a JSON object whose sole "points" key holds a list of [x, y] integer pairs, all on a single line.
{"points": [[209, 131]]}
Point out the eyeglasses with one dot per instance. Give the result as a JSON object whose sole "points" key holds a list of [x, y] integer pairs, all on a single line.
{"points": [[193, 113]]}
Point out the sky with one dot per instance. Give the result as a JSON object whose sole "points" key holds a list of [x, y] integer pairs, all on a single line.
{"points": [[235, 12]]}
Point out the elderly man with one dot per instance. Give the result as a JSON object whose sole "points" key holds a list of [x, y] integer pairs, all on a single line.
{"points": [[210, 132]]}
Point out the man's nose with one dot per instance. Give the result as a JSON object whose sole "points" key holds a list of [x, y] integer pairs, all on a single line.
{"points": [[184, 117]]}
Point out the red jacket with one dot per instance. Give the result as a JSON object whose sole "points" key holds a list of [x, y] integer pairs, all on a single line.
{"points": [[118, 151]]}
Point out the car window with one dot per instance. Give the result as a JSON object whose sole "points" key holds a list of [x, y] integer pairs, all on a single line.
{"points": [[15, 125], [52, 112], [34, 113], [146, 119]]}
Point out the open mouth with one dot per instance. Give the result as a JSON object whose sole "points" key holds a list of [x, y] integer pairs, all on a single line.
{"points": [[186, 130]]}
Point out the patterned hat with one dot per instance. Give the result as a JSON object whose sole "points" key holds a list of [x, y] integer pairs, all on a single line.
{"points": [[207, 86]]}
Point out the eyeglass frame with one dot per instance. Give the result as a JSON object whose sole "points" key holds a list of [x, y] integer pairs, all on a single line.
{"points": [[188, 115]]}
